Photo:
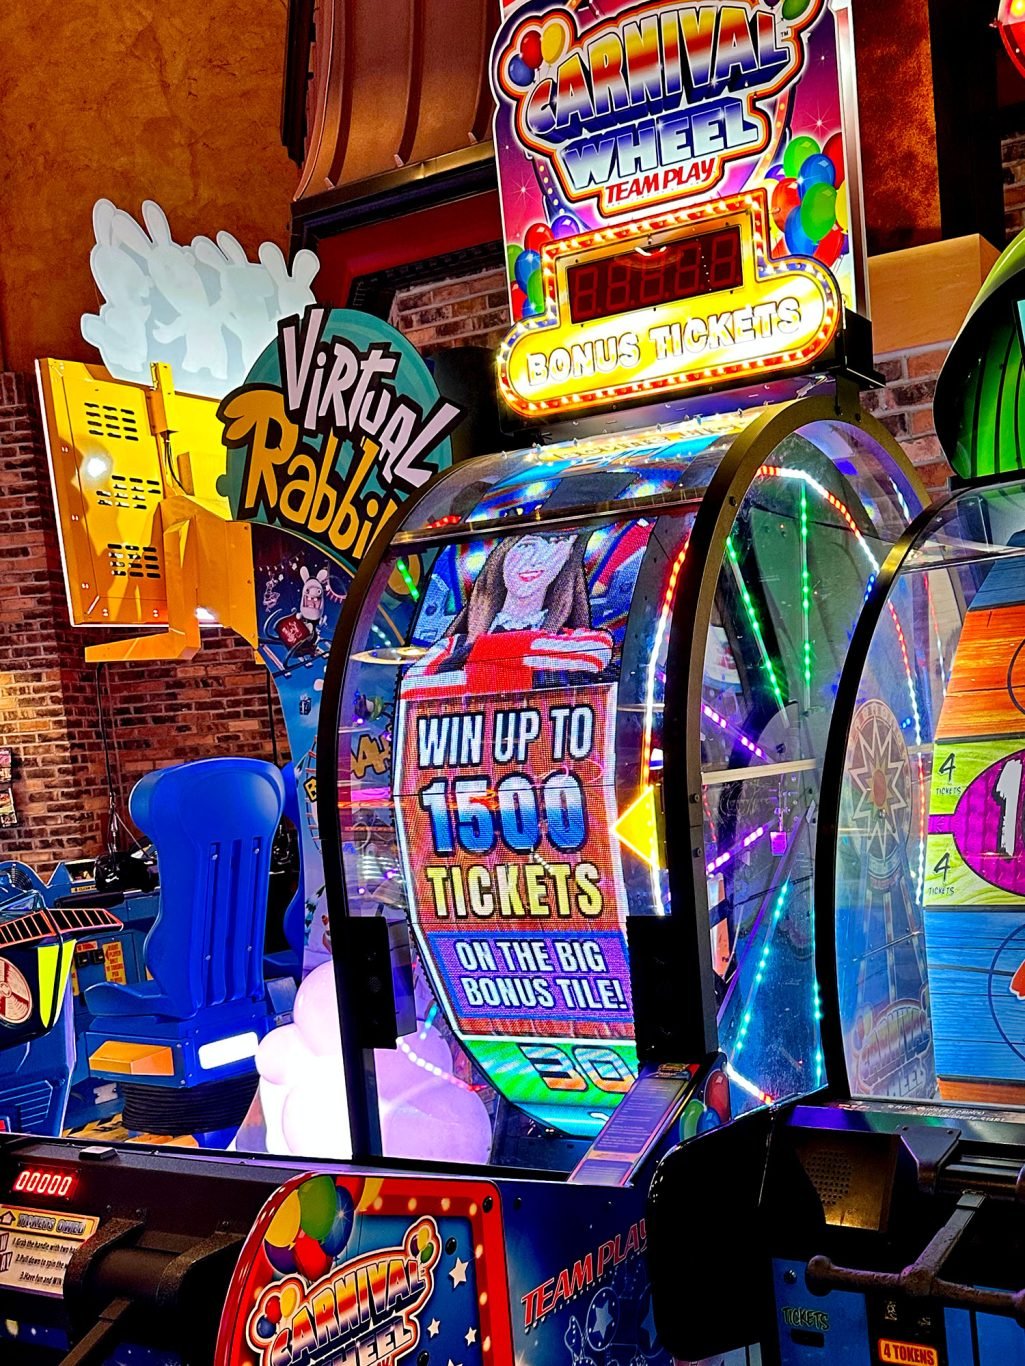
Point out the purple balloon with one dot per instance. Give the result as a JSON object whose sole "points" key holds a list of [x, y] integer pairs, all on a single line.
{"points": [[565, 226]]}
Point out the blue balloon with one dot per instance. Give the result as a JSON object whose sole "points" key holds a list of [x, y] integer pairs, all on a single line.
{"points": [[565, 226], [526, 263], [264, 1328], [816, 170], [519, 72], [708, 1121], [338, 1234], [531, 310], [798, 241]]}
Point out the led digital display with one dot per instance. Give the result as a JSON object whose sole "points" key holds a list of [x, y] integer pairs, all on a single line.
{"points": [[704, 264], [56, 1185]]}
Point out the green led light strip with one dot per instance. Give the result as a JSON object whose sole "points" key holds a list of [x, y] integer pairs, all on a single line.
{"points": [[752, 617]]}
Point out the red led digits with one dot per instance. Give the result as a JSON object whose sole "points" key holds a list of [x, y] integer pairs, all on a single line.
{"points": [[36, 1181], [703, 264]]}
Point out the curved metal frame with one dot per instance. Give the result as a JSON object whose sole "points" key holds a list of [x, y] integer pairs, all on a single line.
{"points": [[837, 1076], [681, 739], [695, 596]]}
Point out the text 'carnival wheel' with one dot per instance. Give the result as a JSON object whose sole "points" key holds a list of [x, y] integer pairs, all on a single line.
{"points": [[15, 995]]}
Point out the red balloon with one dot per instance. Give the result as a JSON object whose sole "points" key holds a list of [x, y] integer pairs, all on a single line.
{"points": [[519, 299], [830, 248], [272, 1309], [536, 236], [785, 198], [834, 150], [717, 1095], [780, 250], [311, 1259], [530, 48]]}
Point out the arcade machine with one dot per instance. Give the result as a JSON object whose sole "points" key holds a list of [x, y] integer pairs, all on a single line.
{"points": [[892, 1217], [569, 758]]}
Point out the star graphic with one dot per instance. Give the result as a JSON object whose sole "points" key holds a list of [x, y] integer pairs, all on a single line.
{"points": [[880, 779], [458, 1272], [602, 1319], [453, 1363], [649, 1326], [433, 1328], [471, 1336]]}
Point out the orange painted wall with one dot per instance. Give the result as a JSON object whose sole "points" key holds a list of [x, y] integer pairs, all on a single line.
{"points": [[130, 99]]}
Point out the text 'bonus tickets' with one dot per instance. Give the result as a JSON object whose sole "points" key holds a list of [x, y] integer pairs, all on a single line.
{"points": [[506, 807]]}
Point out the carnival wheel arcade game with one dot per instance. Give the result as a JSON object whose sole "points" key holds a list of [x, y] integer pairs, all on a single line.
{"points": [[891, 1218], [570, 751]]}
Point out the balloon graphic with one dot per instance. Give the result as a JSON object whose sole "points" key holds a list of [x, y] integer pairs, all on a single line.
{"points": [[816, 170], [311, 1259], [536, 292], [289, 1300], [776, 172], [834, 150], [319, 1205], [264, 1328], [843, 212], [818, 211], [279, 1240], [794, 9], [341, 1227], [717, 1094], [272, 1309], [831, 248], [553, 42], [512, 255], [797, 153], [519, 72], [536, 236], [691, 1119], [708, 1121], [798, 241], [565, 226], [785, 198], [518, 300], [528, 264], [530, 48], [531, 310]]}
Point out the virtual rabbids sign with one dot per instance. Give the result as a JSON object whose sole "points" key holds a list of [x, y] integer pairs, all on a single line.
{"points": [[609, 111]]}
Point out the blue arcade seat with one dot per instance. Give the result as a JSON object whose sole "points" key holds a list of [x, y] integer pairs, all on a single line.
{"points": [[182, 1042]]}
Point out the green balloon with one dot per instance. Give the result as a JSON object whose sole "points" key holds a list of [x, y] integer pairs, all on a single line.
{"points": [[818, 210], [318, 1204], [511, 256], [691, 1115], [797, 153], [536, 290], [794, 9]]}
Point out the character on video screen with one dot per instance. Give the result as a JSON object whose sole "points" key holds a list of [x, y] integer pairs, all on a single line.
{"points": [[527, 624]]}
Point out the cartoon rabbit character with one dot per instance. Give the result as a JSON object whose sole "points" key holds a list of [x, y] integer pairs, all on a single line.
{"points": [[311, 604], [118, 331], [246, 291], [175, 275]]}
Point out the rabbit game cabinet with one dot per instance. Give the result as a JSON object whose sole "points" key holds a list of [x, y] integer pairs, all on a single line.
{"points": [[569, 727]]}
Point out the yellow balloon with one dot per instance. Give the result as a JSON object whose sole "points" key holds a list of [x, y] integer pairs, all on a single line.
{"points": [[285, 1224], [289, 1300], [553, 42], [842, 209]]}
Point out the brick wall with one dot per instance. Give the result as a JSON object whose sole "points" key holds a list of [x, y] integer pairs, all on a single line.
{"points": [[1013, 154], [471, 311], [904, 406], [216, 704], [156, 714]]}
